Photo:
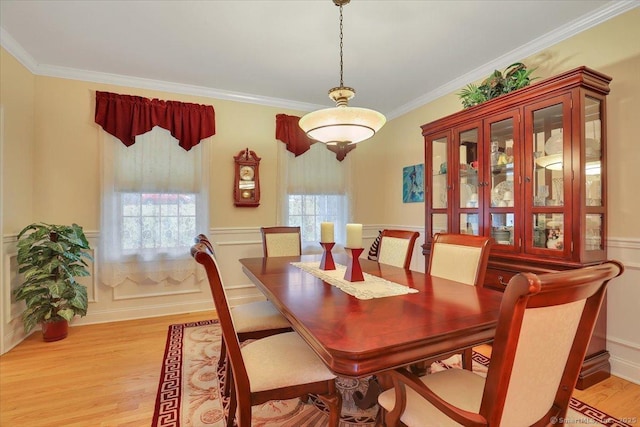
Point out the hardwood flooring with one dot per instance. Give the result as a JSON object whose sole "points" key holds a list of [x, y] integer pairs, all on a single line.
{"points": [[107, 375]]}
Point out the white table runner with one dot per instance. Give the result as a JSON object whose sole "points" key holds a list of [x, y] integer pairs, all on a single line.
{"points": [[371, 287]]}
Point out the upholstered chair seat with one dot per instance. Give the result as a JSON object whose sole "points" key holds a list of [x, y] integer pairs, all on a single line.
{"points": [[282, 360], [458, 387]]}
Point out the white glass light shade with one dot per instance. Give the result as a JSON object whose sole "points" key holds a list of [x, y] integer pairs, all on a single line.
{"points": [[342, 124], [592, 168], [554, 162]]}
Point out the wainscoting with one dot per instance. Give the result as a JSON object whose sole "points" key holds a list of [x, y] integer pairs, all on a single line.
{"points": [[623, 299], [130, 301]]}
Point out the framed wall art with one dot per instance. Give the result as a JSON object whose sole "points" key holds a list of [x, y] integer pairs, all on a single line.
{"points": [[413, 184]]}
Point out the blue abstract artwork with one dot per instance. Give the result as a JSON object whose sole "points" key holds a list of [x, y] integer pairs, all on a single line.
{"points": [[413, 184]]}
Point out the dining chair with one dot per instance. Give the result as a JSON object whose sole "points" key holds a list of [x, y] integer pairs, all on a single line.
{"points": [[460, 257], [463, 258], [252, 320], [281, 241], [544, 327], [396, 247], [277, 367]]}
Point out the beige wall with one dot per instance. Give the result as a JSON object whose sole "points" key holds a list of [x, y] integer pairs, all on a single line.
{"points": [[611, 48], [17, 98]]}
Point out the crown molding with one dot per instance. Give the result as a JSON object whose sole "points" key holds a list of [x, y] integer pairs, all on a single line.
{"points": [[16, 50], [185, 89]]}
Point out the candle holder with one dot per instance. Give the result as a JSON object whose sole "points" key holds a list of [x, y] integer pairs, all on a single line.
{"points": [[327, 259], [354, 271]]}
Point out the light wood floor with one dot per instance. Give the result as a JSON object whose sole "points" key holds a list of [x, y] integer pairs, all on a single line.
{"points": [[107, 375]]}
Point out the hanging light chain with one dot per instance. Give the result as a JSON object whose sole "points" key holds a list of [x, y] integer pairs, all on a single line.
{"points": [[341, 94], [341, 63]]}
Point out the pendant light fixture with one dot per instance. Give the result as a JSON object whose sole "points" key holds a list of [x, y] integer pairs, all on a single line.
{"points": [[342, 125]]}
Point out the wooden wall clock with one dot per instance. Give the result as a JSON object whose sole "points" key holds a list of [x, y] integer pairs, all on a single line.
{"points": [[246, 185]]}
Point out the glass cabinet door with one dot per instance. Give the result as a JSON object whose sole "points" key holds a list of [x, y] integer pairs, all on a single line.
{"points": [[438, 184], [548, 176], [466, 193], [592, 170], [503, 200]]}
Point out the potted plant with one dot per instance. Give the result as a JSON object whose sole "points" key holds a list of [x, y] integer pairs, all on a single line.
{"points": [[514, 77], [50, 257]]}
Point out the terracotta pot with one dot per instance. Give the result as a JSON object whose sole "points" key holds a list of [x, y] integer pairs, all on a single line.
{"points": [[55, 331]]}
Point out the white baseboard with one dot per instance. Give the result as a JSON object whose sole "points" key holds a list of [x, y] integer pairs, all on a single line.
{"points": [[141, 312], [624, 359], [625, 369]]}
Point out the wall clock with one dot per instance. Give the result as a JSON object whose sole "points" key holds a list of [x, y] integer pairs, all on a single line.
{"points": [[246, 185]]}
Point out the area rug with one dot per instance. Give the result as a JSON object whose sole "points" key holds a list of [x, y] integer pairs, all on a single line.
{"points": [[189, 389]]}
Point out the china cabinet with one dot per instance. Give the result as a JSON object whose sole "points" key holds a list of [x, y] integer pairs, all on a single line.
{"points": [[528, 169]]}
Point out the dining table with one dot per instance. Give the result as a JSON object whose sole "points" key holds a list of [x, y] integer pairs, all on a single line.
{"points": [[358, 333]]}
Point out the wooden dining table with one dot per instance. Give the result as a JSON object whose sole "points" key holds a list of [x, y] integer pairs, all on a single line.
{"points": [[360, 337]]}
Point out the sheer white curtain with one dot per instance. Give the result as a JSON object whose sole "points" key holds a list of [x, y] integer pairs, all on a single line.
{"points": [[154, 202], [312, 188]]}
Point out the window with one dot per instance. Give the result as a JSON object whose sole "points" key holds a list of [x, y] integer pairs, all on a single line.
{"points": [[308, 211], [314, 188], [157, 221], [154, 204]]}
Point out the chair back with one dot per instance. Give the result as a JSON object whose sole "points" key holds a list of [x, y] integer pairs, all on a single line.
{"points": [[202, 238], [281, 241], [396, 247], [200, 253], [460, 257], [543, 331]]}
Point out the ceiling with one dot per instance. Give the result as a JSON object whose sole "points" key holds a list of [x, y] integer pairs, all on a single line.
{"points": [[398, 55]]}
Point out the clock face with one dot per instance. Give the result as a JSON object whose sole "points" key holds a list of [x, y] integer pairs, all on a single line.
{"points": [[246, 173]]}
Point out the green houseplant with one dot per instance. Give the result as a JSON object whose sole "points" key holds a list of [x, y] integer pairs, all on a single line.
{"points": [[514, 77], [50, 257]]}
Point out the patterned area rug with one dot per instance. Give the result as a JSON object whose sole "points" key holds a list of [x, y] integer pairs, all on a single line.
{"points": [[189, 389]]}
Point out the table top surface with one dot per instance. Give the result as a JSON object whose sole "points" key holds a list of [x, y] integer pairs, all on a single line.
{"points": [[360, 337]]}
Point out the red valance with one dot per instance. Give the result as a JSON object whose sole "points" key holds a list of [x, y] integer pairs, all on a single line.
{"points": [[125, 117], [288, 131], [297, 142]]}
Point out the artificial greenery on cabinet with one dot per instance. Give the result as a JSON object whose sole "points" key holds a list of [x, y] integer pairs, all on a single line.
{"points": [[514, 77]]}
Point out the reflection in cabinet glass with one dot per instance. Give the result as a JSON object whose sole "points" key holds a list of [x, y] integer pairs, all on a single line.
{"points": [[548, 141], [552, 228], [470, 222], [439, 173], [593, 163]]}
